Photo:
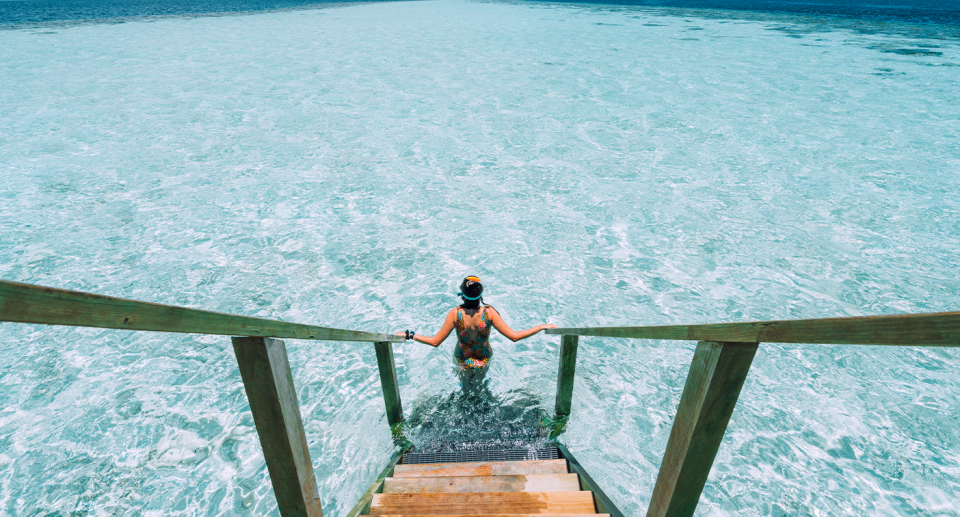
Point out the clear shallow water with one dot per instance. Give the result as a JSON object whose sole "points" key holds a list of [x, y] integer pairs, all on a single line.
{"points": [[593, 165]]}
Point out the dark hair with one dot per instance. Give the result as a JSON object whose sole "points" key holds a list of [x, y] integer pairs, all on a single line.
{"points": [[473, 289]]}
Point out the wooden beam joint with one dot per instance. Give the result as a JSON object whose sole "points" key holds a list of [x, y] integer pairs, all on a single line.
{"points": [[268, 382], [713, 385], [388, 380], [567, 374]]}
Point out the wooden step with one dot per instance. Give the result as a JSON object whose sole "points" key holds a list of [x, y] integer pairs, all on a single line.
{"points": [[491, 503], [483, 468], [475, 484]]}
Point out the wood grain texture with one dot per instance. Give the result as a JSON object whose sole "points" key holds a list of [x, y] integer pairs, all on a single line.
{"points": [[276, 413], [515, 515], [566, 374], [935, 329], [388, 381], [709, 396], [483, 468], [25, 303], [483, 504], [480, 484]]}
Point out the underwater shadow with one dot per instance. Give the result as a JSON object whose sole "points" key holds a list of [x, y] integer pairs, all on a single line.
{"points": [[477, 419]]}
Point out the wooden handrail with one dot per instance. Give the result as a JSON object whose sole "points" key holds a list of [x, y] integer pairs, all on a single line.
{"points": [[932, 329], [25, 303], [721, 363], [264, 368]]}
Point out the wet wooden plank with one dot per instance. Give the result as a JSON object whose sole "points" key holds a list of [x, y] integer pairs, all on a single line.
{"points": [[479, 484], [567, 372], [25, 303], [388, 381], [483, 504], [709, 396], [483, 468], [934, 329], [276, 413]]}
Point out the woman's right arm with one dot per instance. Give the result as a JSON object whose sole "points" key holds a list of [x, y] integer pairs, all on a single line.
{"points": [[442, 334], [511, 334]]}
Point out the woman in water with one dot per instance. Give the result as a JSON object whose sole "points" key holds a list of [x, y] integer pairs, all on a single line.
{"points": [[473, 320]]}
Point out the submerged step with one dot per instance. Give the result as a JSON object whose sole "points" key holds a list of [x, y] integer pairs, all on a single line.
{"points": [[477, 484], [493, 503], [549, 453], [483, 468]]}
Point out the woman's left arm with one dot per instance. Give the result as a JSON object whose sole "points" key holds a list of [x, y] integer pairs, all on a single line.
{"points": [[511, 334]]}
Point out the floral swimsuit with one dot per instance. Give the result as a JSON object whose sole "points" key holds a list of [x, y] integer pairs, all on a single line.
{"points": [[473, 353]]}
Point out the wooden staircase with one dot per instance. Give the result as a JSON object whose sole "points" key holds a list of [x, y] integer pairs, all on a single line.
{"points": [[723, 357], [507, 488]]}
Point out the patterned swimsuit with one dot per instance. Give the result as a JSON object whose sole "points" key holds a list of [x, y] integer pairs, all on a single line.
{"points": [[473, 353]]}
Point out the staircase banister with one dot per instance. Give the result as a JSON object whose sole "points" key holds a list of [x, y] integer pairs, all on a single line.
{"points": [[27, 303], [929, 329]]}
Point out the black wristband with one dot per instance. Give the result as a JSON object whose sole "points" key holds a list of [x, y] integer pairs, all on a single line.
{"points": [[410, 334]]}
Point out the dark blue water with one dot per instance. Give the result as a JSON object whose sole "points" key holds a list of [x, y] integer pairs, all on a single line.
{"points": [[15, 13], [19, 12], [931, 11]]}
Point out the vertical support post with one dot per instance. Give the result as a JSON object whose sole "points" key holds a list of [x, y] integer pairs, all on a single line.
{"points": [[709, 396], [388, 380], [268, 382], [568, 370]]}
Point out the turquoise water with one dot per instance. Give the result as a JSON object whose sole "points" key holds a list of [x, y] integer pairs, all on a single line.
{"points": [[594, 165]]}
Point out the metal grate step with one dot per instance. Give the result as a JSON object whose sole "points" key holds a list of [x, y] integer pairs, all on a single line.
{"points": [[549, 453]]}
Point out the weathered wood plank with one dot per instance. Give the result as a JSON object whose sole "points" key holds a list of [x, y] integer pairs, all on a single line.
{"points": [[479, 484], [482, 504], [566, 375], [276, 413], [388, 380], [483, 468], [517, 515], [934, 329], [603, 502], [25, 303], [363, 505], [709, 396]]}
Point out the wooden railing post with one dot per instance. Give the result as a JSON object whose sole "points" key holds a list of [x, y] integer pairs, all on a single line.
{"points": [[709, 396], [268, 382], [388, 380], [568, 370]]}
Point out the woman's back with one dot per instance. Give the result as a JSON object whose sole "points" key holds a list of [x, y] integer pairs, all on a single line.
{"points": [[473, 324], [473, 337]]}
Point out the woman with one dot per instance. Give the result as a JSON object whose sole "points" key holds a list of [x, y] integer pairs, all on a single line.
{"points": [[473, 320]]}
